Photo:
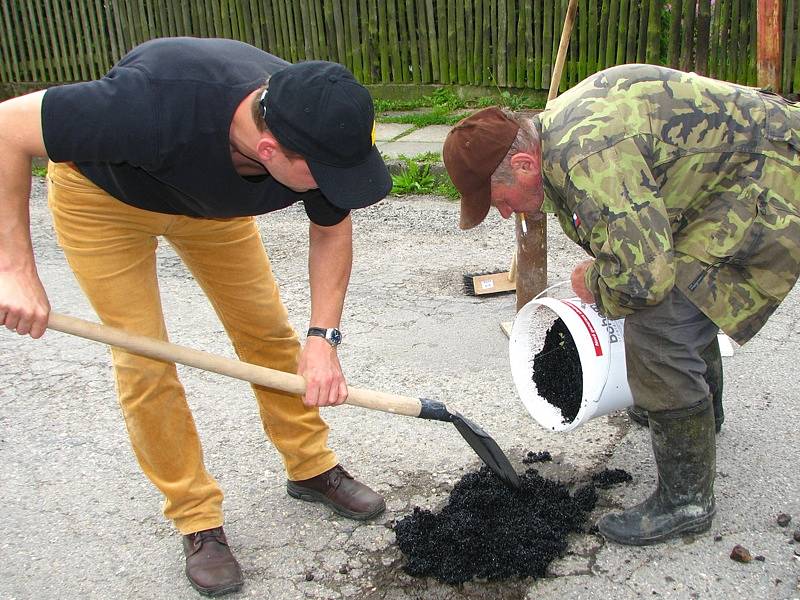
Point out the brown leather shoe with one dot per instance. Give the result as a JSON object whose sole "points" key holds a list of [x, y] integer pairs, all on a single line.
{"points": [[337, 488], [210, 566]]}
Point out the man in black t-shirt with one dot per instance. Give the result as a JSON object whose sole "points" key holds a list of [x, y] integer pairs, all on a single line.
{"points": [[183, 139]]}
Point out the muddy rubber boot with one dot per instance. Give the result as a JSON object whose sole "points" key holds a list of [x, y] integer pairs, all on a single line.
{"points": [[683, 502], [713, 376]]}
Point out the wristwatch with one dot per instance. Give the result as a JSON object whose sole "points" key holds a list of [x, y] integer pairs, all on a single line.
{"points": [[332, 335]]}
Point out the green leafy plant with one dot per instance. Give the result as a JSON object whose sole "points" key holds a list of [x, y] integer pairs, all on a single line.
{"points": [[39, 171], [415, 179], [418, 179]]}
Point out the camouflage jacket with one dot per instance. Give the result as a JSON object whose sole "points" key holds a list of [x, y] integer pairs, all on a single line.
{"points": [[669, 178]]}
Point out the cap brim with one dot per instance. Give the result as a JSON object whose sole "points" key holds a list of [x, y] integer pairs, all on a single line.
{"points": [[475, 206], [353, 187]]}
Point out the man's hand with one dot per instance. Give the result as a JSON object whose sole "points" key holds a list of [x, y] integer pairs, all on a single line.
{"points": [[24, 307], [319, 365], [579, 281]]}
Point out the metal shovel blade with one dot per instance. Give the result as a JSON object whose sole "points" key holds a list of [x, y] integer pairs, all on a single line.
{"points": [[485, 447]]}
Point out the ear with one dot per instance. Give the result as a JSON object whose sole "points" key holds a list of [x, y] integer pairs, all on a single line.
{"points": [[524, 161], [266, 147]]}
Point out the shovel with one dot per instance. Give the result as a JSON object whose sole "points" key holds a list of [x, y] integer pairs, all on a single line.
{"points": [[480, 441]]}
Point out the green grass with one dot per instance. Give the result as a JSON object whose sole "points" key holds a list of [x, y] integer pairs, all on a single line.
{"points": [[443, 103], [39, 171]]}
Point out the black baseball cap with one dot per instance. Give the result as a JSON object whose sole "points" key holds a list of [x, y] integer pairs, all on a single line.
{"points": [[319, 110]]}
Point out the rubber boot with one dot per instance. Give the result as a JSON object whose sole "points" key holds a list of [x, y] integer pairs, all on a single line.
{"points": [[713, 376], [683, 502]]}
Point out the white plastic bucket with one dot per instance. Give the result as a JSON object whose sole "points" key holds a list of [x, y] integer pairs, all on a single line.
{"points": [[601, 349]]}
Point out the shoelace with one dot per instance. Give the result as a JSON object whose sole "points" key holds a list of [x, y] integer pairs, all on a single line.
{"points": [[201, 537], [336, 476]]}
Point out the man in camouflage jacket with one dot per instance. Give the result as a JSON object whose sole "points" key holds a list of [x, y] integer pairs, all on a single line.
{"points": [[686, 192]]}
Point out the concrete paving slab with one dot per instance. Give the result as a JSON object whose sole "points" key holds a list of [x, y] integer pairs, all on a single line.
{"points": [[385, 132], [429, 134], [402, 147]]}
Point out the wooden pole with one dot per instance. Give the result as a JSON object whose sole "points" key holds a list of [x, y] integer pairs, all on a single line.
{"points": [[532, 235], [769, 44]]}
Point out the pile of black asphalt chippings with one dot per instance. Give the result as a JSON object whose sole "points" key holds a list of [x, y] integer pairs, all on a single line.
{"points": [[490, 531], [557, 371]]}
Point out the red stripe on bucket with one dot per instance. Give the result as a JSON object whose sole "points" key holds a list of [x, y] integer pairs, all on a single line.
{"points": [[598, 349]]}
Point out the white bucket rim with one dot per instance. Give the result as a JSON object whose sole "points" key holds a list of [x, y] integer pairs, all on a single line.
{"points": [[592, 346]]}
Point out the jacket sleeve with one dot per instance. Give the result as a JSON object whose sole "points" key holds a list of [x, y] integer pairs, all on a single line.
{"points": [[621, 219]]}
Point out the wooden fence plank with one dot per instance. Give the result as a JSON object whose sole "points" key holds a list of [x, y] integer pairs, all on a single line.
{"points": [[796, 77], [743, 24], [725, 24], [57, 55], [299, 31], [12, 31], [522, 67], [308, 36], [611, 33], [34, 50], [733, 45], [82, 59], [341, 41], [269, 26], [602, 45], [383, 38], [363, 28], [424, 53], [622, 34], [405, 51], [469, 34], [582, 38], [788, 45], [687, 31], [374, 44], [633, 32], [322, 31], [461, 44], [654, 33], [487, 64], [714, 35], [547, 43], [39, 27], [441, 34], [502, 43], [530, 46], [413, 47], [452, 45], [703, 36], [511, 42], [6, 45], [433, 44], [674, 47]]}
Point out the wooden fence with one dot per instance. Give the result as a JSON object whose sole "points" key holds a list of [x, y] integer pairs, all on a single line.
{"points": [[504, 43]]}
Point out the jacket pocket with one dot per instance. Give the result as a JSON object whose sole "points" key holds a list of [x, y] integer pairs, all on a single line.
{"points": [[761, 236]]}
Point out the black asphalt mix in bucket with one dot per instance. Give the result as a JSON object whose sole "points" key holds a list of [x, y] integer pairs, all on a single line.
{"points": [[489, 531], [557, 371]]}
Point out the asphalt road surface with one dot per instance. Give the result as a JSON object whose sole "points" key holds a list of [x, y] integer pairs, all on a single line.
{"points": [[79, 520]]}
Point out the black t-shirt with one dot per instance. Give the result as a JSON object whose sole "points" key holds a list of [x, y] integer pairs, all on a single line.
{"points": [[154, 132]]}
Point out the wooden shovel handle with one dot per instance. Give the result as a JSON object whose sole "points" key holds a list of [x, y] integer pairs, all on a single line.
{"points": [[278, 380]]}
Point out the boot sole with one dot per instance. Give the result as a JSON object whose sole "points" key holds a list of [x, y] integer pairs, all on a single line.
{"points": [[214, 592], [697, 526], [311, 496]]}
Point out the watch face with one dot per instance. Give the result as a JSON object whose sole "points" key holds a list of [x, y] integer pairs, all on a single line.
{"points": [[335, 336]]}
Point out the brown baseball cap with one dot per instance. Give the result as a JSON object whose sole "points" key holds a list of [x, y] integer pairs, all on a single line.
{"points": [[472, 151]]}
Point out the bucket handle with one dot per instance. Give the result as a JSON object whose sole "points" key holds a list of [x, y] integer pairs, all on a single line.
{"points": [[548, 288]]}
